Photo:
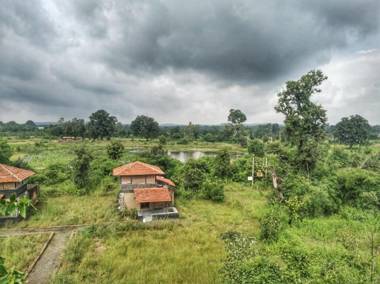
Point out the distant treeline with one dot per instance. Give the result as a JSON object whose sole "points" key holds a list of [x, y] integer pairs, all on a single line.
{"points": [[102, 125]]}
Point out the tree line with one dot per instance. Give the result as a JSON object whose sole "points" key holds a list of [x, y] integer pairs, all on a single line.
{"points": [[352, 130]]}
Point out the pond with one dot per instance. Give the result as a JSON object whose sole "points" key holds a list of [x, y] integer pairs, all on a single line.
{"points": [[184, 156]]}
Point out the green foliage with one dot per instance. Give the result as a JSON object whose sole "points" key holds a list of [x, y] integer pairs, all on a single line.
{"points": [[101, 125], [235, 130], [115, 150], [272, 223], [162, 140], [213, 190], [256, 147], [305, 121], [14, 206], [222, 164], [353, 130], [5, 151], [10, 276], [55, 173], [144, 126], [193, 176], [236, 116], [359, 187], [81, 167]]}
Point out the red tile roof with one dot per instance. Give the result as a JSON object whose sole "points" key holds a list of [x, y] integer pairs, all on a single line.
{"points": [[137, 169], [158, 194], [165, 180], [13, 174]]}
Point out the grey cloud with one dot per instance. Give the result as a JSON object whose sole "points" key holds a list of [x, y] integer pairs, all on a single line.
{"points": [[178, 60]]}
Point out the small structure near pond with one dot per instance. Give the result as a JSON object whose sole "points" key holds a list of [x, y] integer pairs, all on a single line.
{"points": [[13, 183], [143, 187]]}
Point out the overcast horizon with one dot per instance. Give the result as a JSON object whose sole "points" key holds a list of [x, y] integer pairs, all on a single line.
{"points": [[181, 61]]}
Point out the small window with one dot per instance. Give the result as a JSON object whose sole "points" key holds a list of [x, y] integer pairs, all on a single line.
{"points": [[144, 205]]}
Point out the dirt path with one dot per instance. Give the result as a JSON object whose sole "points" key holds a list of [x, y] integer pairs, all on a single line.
{"points": [[50, 260]]}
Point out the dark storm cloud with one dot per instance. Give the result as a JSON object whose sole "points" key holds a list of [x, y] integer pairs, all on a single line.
{"points": [[237, 40], [174, 60], [27, 19]]}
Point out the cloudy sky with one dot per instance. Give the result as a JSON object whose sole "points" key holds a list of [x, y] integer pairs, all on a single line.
{"points": [[181, 61]]}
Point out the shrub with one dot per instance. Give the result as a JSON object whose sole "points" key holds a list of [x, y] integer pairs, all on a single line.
{"points": [[272, 223], [81, 168], [193, 176], [222, 164], [115, 150], [56, 173], [256, 147], [358, 187], [5, 151], [213, 190], [319, 201]]}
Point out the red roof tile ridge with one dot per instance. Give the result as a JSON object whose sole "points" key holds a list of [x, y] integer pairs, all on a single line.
{"points": [[155, 168], [5, 167]]}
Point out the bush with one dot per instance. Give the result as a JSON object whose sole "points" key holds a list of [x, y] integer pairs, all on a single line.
{"points": [[56, 173], [319, 202], [358, 187], [115, 150], [272, 223], [213, 190], [193, 175], [256, 147]]}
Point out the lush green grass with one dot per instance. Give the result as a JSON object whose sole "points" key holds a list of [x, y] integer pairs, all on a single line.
{"points": [[188, 250], [72, 209], [20, 251]]}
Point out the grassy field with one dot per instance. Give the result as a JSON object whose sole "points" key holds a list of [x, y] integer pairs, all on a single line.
{"points": [[19, 252], [188, 250]]}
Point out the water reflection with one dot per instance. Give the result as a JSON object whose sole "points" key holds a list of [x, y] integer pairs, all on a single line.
{"points": [[184, 156]]}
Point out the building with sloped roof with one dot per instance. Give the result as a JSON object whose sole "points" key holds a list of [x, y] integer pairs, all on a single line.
{"points": [[143, 187]]}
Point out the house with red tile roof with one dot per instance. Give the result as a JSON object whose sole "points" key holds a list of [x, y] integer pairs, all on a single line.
{"points": [[144, 187], [13, 181]]}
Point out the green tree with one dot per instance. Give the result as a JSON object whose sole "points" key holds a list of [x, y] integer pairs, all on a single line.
{"points": [[5, 151], [191, 131], [236, 117], [222, 167], [102, 125], [256, 147], [115, 150], [193, 176], [353, 130], [146, 127], [81, 167], [305, 121], [75, 127]]}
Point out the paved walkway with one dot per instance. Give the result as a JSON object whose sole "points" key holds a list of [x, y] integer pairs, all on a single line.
{"points": [[50, 259]]}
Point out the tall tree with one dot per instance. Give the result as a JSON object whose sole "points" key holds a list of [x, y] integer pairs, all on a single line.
{"points": [[145, 126], [101, 125], [81, 167], [305, 121], [353, 130], [222, 165], [236, 117]]}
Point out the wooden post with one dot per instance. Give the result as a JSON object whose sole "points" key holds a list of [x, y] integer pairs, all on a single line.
{"points": [[253, 168]]}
